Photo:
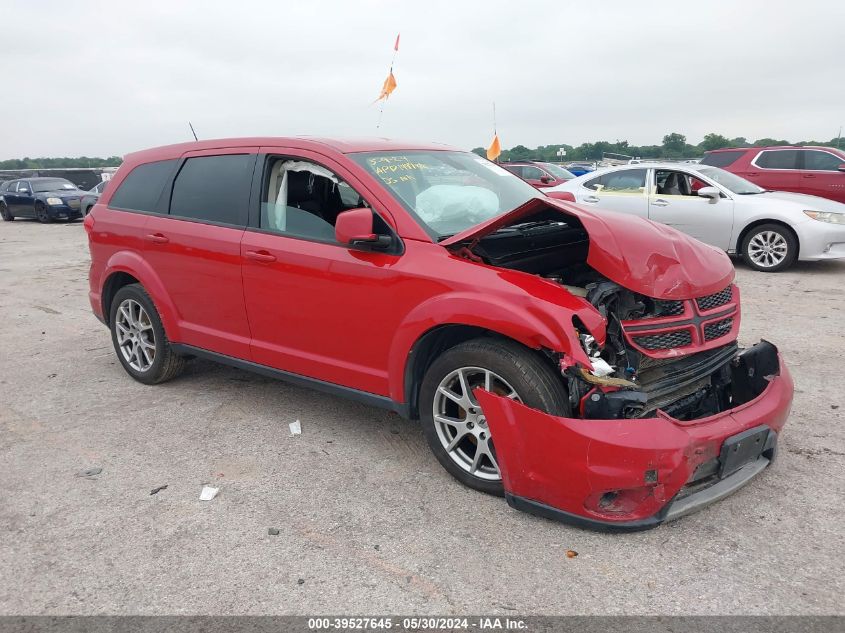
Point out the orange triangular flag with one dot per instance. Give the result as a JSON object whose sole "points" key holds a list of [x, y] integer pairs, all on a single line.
{"points": [[495, 149], [388, 87]]}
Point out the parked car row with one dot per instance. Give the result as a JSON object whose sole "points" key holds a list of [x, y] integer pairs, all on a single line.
{"points": [[553, 353], [770, 229], [46, 199]]}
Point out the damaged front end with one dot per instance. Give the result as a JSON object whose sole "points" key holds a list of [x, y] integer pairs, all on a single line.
{"points": [[635, 473], [667, 413]]}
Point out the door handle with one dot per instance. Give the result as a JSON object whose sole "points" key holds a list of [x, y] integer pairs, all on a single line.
{"points": [[660, 202], [157, 238], [809, 175], [261, 256], [752, 173], [591, 199]]}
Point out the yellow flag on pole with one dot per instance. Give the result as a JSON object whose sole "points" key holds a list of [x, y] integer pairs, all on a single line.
{"points": [[495, 149], [388, 87]]}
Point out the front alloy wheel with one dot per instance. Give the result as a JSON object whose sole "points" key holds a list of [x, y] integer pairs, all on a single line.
{"points": [[456, 428], [460, 424], [42, 215]]}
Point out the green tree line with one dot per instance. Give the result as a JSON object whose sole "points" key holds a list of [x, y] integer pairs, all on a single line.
{"points": [[674, 146], [46, 163]]}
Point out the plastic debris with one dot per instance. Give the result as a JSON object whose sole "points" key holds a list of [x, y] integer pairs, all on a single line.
{"points": [[273, 531], [89, 472], [208, 493], [295, 428], [155, 491]]}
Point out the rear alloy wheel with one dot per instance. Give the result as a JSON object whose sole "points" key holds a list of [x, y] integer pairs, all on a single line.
{"points": [[5, 213], [455, 426], [139, 338], [41, 214], [770, 248]]}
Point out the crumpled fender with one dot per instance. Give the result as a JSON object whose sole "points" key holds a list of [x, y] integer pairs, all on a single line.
{"points": [[567, 464], [540, 317]]}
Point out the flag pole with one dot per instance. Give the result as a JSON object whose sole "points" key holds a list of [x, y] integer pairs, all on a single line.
{"points": [[390, 72], [495, 131]]}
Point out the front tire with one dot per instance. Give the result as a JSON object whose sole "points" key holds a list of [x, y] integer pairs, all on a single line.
{"points": [[41, 214], [139, 339], [770, 248], [454, 424], [5, 213]]}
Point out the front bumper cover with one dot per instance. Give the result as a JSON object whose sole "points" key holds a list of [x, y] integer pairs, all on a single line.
{"points": [[630, 474]]}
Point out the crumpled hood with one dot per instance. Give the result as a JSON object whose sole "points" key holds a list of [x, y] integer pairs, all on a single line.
{"points": [[643, 256]]}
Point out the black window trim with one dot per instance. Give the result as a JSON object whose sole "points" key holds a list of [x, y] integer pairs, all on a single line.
{"points": [[803, 160], [168, 182], [260, 180], [167, 193], [799, 161]]}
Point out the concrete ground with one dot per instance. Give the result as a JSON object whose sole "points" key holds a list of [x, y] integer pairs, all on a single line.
{"points": [[368, 521]]}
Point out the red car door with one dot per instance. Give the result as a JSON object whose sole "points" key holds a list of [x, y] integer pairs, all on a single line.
{"points": [[820, 175], [316, 308], [195, 249], [775, 169]]}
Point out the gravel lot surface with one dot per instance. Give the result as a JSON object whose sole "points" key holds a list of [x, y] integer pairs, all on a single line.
{"points": [[368, 521]]}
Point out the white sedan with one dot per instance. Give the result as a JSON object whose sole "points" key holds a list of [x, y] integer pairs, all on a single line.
{"points": [[770, 229]]}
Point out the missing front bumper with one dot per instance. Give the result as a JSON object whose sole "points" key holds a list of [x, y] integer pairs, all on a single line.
{"points": [[633, 474]]}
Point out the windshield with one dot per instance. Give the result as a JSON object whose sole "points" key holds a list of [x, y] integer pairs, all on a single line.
{"points": [[447, 192], [52, 185], [732, 182], [558, 172]]}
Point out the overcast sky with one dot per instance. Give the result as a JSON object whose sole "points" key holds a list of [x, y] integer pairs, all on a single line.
{"points": [[105, 78]]}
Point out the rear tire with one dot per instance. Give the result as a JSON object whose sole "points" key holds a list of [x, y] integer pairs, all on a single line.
{"points": [[456, 433], [770, 248], [139, 339], [41, 214], [5, 213]]}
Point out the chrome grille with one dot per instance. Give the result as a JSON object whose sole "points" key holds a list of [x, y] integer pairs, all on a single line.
{"points": [[664, 340], [715, 300], [717, 329]]}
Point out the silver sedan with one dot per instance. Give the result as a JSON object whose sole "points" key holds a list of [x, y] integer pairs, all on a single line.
{"points": [[770, 229]]}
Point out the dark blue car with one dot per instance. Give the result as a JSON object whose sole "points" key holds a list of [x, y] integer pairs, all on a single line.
{"points": [[45, 199]]}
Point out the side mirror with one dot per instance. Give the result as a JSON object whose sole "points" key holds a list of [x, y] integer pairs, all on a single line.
{"points": [[545, 180], [841, 167], [355, 228], [710, 192]]}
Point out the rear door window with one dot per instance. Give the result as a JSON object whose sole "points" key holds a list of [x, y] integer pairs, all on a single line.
{"points": [[141, 189], [722, 159], [816, 160], [778, 159], [213, 189]]}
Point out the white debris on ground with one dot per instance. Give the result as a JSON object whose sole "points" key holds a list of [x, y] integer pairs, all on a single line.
{"points": [[295, 428], [208, 493]]}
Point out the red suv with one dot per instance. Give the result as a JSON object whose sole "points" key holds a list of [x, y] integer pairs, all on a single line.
{"points": [[598, 351], [817, 171], [539, 174]]}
